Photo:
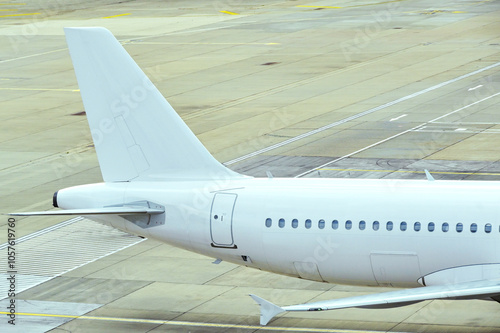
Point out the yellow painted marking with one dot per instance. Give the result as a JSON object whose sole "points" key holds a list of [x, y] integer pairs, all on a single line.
{"points": [[181, 43], [354, 6], [435, 11], [378, 3], [38, 89], [190, 323], [230, 13], [27, 14], [307, 6], [411, 171], [107, 17]]}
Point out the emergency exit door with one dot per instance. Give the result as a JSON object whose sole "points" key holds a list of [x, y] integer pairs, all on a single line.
{"points": [[221, 219]]}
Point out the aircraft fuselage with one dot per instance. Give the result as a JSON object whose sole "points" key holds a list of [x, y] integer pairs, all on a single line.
{"points": [[363, 232]]}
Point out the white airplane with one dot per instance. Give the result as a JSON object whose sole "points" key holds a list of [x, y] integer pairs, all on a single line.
{"points": [[161, 183]]}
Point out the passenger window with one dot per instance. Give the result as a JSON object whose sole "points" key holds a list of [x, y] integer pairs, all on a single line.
{"points": [[281, 223], [487, 228], [321, 224], [308, 224], [389, 226], [473, 227], [269, 222], [431, 226], [445, 227], [403, 226], [362, 225], [335, 224], [417, 226], [348, 224], [376, 225], [460, 227], [295, 223]]}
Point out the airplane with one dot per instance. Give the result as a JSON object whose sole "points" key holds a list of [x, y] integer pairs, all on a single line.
{"points": [[438, 239]]}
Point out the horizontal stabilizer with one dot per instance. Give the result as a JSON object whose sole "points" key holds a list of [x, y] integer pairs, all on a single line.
{"points": [[468, 290], [96, 211]]}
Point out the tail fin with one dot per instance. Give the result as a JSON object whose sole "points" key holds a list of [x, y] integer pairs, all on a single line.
{"points": [[136, 133]]}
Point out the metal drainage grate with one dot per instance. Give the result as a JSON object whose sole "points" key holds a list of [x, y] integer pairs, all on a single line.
{"points": [[51, 252]]}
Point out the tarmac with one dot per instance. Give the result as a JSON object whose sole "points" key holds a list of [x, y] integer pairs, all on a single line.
{"points": [[364, 89]]}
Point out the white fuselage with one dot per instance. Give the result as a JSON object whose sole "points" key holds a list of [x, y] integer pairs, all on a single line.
{"points": [[328, 229]]}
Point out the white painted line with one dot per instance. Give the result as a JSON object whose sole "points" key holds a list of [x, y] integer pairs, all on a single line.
{"points": [[52, 315], [218, 326], [464, 123], [31, 55], [125, 41], [397, 118], [460, 129], [44, 231], [486, 131], [464, 107], [367, 112], [59, 249], [423, 125], [474, 88]]}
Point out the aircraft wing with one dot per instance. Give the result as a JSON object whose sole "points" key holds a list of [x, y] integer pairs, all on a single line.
{"points": [[96, 211], [471, 290]]}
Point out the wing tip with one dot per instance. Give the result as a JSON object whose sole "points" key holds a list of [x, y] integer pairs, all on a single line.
{"points": [[268, 310]]}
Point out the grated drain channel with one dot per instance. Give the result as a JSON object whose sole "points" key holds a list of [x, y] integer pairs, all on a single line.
{"points": [[51, 252]]}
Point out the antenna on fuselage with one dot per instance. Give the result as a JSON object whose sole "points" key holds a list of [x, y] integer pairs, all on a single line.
{"points": [[429, 176]]}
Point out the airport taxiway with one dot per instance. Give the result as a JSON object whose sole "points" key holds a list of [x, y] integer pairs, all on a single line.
{"points": [[371, 89]]}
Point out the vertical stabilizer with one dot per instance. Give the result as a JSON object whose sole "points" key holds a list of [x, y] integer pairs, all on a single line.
{"points": [[137, 134]]}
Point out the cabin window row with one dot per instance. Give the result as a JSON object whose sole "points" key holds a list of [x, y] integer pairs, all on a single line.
{"points": [[389, 225]]}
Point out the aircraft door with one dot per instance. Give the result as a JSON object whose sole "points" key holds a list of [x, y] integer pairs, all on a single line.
{"points": [[221, 219]]}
